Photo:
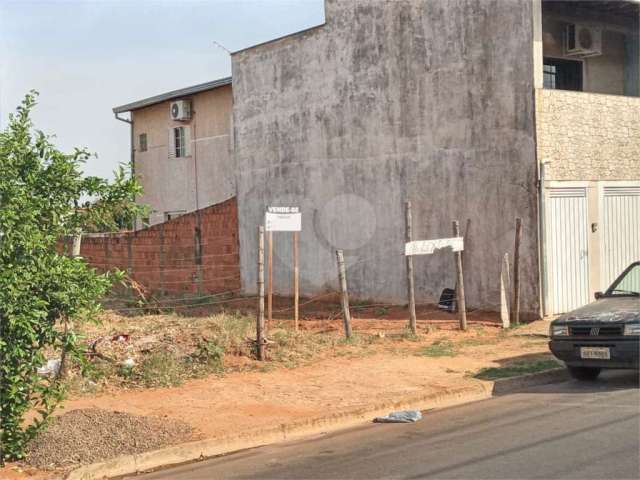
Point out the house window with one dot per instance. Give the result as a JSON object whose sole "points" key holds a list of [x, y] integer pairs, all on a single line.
{"points": [[142, 142], [180, 141], [562, 74], [174, 214]]}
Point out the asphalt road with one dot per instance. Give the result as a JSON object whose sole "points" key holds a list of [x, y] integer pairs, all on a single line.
{"points": [[567, 430]]}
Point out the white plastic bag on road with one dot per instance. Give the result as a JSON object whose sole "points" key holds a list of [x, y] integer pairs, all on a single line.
{"points": [[405, 416]]}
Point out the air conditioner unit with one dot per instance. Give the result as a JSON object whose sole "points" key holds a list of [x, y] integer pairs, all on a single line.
{"points": [[180, 110], [583, 40]]}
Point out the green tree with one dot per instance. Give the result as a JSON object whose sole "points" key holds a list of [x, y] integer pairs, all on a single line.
{"points": [[43, 294]]}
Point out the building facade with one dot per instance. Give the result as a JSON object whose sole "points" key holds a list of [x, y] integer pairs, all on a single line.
{"points": [[588, 146], [183, 161], [478, 111]]}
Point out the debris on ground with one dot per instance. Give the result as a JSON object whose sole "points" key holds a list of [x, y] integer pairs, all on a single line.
{"points": [[52, 367], [92, 435], [404, 416]]}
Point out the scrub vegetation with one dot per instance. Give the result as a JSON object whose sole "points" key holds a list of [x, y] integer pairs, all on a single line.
{"points": [[45, 295]]}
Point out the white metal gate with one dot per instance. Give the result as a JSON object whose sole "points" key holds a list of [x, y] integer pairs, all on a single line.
{"points": [[567, 254], [620, 233]]}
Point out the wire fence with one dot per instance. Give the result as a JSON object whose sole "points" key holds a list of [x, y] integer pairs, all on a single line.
{"points": [[185, 276]]}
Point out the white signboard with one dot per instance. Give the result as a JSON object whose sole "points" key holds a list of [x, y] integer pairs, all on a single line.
{"points": [[427, 247], [283, 219]]}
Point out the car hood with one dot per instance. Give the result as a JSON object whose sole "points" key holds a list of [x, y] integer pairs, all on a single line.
{"points": [[611, 309]]}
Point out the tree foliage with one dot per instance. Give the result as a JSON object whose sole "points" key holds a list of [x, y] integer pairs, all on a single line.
{"points": [[43, 294]]}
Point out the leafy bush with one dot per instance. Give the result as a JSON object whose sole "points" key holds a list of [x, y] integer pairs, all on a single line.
{"points": [[209, 356], [44, 295]]}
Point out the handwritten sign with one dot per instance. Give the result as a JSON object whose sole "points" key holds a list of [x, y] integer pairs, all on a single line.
{"points": [[427, 247], [283, 219]]}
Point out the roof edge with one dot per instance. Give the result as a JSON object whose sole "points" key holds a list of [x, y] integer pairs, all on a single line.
{"points": [[146, 102], [283, 37]]}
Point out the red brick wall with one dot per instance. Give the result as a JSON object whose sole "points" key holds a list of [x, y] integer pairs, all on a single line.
{"points": [[163, 257]]}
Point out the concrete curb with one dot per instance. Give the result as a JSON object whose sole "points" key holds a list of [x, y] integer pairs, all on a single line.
{"points": [[178, 454], [513, 384]]}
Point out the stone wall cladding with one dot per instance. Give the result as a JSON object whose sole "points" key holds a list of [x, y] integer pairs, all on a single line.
{"points": [[588, 136], [220, 255]]}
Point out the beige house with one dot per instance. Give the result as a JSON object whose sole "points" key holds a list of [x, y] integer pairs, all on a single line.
{"points": [[588, 145], [181, 148]]}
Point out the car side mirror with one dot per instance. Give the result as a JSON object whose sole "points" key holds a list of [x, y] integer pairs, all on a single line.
{"points": [[598, 295]]}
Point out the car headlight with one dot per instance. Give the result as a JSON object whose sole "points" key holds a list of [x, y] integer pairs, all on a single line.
{"points": [[558, 330], [632, 329]]}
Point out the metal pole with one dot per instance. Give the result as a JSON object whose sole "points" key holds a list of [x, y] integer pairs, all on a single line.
{"points": [[543, 242], [515, 308], [198, 252]]}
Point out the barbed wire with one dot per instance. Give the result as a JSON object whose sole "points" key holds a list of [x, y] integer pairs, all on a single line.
{"points": [[311, 300], [194, 282], [140, 270], [194, 305], [194, 257], [192, 270], [173, 300], [167, 244], [153, 268]]}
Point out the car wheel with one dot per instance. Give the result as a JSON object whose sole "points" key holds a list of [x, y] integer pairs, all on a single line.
{"points": [[584, 373]]}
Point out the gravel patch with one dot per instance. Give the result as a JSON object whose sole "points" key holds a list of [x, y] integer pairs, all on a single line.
{"points": [[92, 435]]}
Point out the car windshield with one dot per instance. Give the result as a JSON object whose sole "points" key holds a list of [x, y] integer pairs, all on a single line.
{"points": [[627, 284]]}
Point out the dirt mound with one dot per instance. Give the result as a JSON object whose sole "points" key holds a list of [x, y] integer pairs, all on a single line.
{"points": [[91, 435]]}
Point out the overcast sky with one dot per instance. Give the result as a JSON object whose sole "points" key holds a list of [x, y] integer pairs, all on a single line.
{"points": [[87, 56]]}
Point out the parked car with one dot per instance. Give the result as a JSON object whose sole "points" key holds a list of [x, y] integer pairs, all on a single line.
{"points": [[603, 334]]}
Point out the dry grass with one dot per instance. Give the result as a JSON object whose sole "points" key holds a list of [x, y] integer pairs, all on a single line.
{"points": [[517, 368], [166, 350]]}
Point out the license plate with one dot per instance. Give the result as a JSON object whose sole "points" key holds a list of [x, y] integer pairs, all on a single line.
{"points": [[598, 353]]}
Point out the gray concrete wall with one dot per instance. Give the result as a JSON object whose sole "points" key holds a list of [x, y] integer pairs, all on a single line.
{"points": [[424, 100]]}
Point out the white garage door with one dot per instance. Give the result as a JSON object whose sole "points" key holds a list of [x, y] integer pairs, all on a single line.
{"points": [[567, 249], [620, 238]]}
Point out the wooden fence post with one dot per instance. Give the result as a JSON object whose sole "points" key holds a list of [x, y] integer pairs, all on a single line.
{"points": [[342, 276], [409, 260], [270, 287], [505, 291], [296, 280], [260, 344], [515, 307], [460, 298]]}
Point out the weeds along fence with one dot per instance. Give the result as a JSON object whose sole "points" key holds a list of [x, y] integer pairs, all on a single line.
{"points": [[195, 255], [455, 303], [193, 261]]}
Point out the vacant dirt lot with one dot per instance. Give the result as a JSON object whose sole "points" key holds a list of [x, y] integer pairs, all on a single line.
{"points": [[204, 374]]}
